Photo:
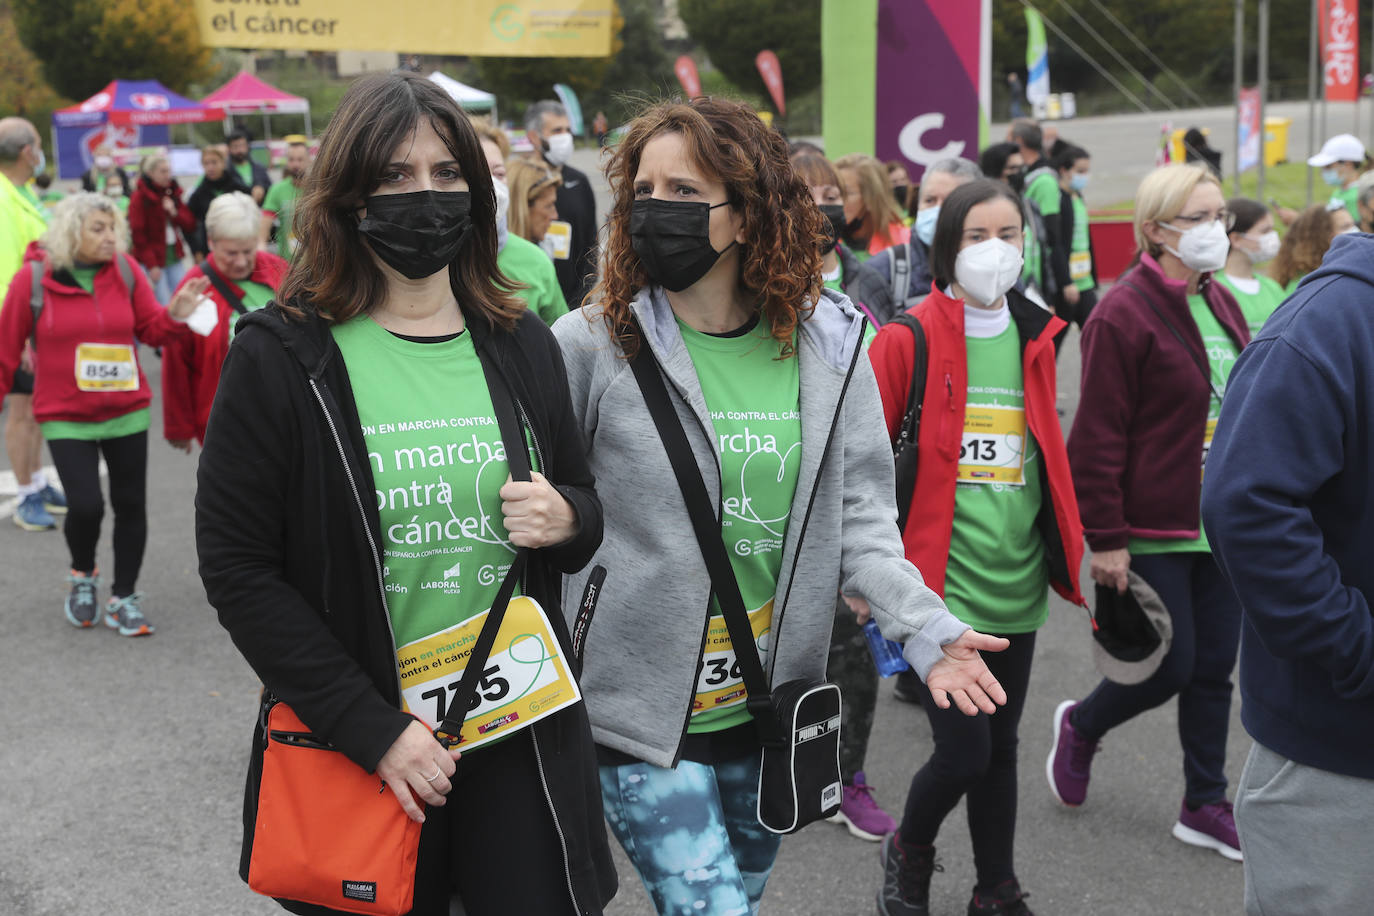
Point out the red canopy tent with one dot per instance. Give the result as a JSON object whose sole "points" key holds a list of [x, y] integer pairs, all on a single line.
{"points": [[246, 94]]}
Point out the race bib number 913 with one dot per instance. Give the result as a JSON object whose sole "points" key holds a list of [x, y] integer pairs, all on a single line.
{"points": [[525, 679], [993, 446]]}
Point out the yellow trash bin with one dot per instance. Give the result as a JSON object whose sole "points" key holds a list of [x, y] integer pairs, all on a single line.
{"points": [[1276, 140]]}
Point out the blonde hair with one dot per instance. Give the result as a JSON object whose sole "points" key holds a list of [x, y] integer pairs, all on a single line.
{"points": [[232, 216], [526, 180], [218, 150], [150, 161], [875, 190], [63, 239], [1161, 197], [488, 131]]}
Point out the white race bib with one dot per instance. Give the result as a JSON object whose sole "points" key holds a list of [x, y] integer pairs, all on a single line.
{"points": [[993, 447], [559, 239]]}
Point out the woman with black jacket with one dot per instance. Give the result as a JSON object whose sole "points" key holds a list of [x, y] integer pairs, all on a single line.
{"points": [[355, 499], [218, 179]]}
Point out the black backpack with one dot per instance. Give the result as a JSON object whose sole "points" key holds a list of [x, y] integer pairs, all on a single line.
{"points": [[904, 444]]}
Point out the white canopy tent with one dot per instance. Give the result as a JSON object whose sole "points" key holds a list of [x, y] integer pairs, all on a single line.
{"points": [[469, 98]]}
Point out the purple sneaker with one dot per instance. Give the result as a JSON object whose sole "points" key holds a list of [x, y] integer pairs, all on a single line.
{"points": [[1211, 827], [861, 814], [1071, 758]]}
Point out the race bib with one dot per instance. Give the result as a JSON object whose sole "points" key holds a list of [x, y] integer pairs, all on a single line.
{"points": [[526, 678], [106, 367], [559, 239], [1207, 434], [720, 683], [1080, 265], [993, 448]]}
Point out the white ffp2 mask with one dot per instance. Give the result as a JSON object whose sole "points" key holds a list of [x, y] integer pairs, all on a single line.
{"points": [[560, 149], [1203, 247], [987, 270]]}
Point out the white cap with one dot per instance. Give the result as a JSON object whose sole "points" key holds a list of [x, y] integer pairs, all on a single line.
{"points": [[1340, 148]]}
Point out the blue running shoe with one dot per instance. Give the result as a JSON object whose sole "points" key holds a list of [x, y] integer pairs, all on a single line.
{"points": [[82, 607], [53, 500], [31, 516], [122, 614]]}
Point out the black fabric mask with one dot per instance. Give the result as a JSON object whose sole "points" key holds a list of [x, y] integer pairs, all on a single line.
{"points": [[834, 213], [673, 240], [1017, 179], [899, 194], [418, 233]]}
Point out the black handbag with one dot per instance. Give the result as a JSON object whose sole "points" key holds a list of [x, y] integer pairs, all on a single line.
{"points": [[798, 722]]}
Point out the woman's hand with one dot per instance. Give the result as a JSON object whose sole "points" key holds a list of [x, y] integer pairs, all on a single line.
{"points": [[416, 762], [1109, 567], [860, 607], [181, 445], [963, 676], [169, 206], [537, 515], [154, 275], [1071, 294], [186, 298], [26, 357]]}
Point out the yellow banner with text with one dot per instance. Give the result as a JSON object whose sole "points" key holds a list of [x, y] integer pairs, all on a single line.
{"points": [[478, 28]]}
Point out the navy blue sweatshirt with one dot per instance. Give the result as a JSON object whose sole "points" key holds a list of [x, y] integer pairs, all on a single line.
{"points": [[1288, 503]]}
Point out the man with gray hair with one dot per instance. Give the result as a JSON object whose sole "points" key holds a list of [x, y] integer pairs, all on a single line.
{"points": [[574, 233], [907, 267], [21, 223], [1364, 201]]}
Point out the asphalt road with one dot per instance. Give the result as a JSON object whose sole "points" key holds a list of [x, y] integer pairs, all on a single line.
{"points": [[121, 768]]}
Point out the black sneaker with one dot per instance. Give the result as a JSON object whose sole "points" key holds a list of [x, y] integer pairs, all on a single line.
{"points": [[908, 687], [1005, 899], [81, 607], [906, 878]]}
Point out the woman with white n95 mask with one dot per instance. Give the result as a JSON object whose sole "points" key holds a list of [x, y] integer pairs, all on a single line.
{"points": [[1254, 242], [992, 524]]}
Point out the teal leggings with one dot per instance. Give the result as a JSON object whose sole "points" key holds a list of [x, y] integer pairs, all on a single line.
{"points": [[693, 834]]}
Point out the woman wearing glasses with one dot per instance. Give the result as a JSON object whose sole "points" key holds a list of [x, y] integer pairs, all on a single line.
{"points": [[1157, 351]]}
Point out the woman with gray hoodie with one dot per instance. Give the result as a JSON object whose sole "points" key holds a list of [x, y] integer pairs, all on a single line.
{"points": [[712, 266]]}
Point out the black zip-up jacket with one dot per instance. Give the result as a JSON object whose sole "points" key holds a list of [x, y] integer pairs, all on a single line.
{"points": [[288, 533]]}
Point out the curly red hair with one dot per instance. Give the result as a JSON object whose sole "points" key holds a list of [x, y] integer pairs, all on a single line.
{"points": [[780, 260]]}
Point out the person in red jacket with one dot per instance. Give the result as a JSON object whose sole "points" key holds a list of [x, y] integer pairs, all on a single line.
{"points": [[90, 395], [992, 524], [159, 220], [1157, 352], [242, 279]]}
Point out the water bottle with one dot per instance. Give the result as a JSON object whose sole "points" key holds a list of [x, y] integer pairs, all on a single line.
{"points": [[887, 655]]}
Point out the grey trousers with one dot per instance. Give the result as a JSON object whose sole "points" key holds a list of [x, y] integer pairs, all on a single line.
{"points": [[1305, 835]]}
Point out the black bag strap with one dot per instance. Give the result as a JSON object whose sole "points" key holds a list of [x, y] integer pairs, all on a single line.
{"points": [[517, 456], [905, 448], [707, 528], [1199, 361], [222, 287]]}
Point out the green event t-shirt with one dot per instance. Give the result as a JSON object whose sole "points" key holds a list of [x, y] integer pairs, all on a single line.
{"points": [[1032, 256], [438, 464], [281, 200], [754, 400], [526, 262], [996, 580], [1044, 193], [255, 296], [245, 171], [1221, 358], [1256, 306], [1080, 247], [1350, 198]]}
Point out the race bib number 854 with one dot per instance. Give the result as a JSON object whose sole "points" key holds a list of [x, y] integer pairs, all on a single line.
{"points": [[106, 367]]}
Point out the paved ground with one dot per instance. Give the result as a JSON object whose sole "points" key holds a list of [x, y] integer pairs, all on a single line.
{"points": [[121, 769]]}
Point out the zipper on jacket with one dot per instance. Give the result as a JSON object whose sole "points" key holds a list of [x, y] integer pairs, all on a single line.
{"points": [[557, 825], [534, 436], [367, 529], [949, 389]]}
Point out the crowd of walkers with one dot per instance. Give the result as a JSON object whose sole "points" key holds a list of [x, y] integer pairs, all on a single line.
{"points": [[397, 412]]}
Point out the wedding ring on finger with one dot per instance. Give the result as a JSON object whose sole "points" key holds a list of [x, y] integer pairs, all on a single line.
{"points": [[437, 770]]}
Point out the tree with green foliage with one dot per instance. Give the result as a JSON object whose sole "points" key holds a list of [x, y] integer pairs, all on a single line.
{"points": [[733, 32], [23, 90], [83, 44]]}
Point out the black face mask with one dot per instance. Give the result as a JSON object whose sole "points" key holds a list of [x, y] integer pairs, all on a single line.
{"points": [[834, 213], [419, 233], [899, 194], [1017, 179], [673, 240]]}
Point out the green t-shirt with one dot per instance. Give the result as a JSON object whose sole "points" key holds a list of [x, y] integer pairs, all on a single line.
{"points": [[754, 400], [1221, 358], [1292, 286], [1350, 198], [135, 421], [255, 296], [1043, 191], [1256, 305], [438, 464], [1031, 256], [245, 171], [526, 262], [1080, 247], [85, 277], [281, 200], [996, 580], [832, 280]]}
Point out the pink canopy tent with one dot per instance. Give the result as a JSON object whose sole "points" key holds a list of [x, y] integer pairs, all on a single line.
{"points": [[245, 94]]}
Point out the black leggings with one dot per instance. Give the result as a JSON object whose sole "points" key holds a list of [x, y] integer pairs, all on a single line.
{"points": [[975, 756], [78, 466]]}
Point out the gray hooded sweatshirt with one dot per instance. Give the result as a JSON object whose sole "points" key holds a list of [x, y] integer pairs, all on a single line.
{"points": [[645, 642]]}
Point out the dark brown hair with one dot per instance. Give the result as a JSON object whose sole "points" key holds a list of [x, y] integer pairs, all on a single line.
{"points": [[949, 228], [780, 261], [334, 270]]}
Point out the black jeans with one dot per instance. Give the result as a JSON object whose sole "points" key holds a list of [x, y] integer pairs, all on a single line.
{"points": [[78, 465], [975, 756], [1197, 669], [851, 668]]}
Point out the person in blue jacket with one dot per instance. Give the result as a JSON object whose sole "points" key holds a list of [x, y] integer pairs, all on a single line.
{"points": [[1288, 503]]}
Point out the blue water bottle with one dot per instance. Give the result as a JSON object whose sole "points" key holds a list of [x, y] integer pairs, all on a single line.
{"points": [[887, 655]]}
